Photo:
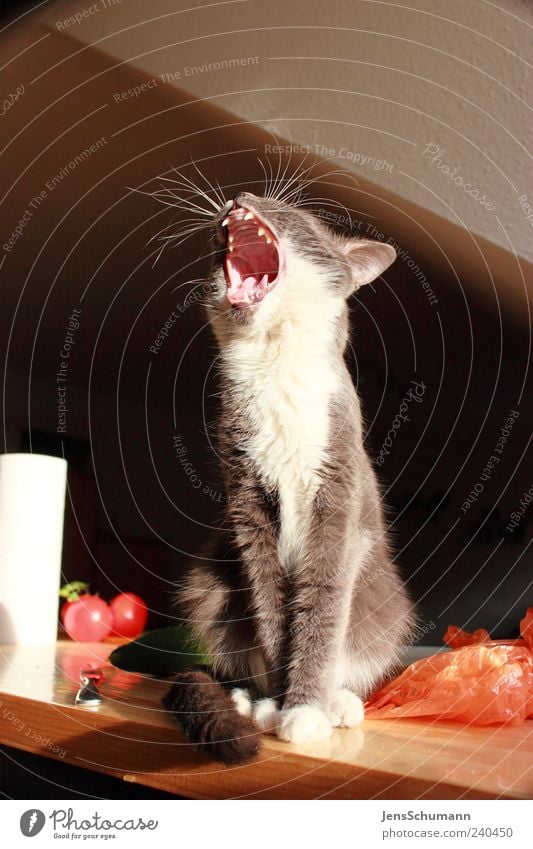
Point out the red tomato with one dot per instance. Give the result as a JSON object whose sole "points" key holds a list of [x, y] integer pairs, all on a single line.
{"points": [[129, 615], [65, 606], [72, 592], [87, 620]]}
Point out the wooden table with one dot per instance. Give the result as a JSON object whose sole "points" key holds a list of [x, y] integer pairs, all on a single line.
{"points": [[131, 737]]}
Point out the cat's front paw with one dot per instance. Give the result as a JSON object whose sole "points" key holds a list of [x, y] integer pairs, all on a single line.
{"points": [[303, 724], [242, 701], [266, 714], [346, 709]]}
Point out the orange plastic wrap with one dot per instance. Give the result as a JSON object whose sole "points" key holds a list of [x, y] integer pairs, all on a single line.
{"points": [[526, 628], [456, 638], [486, 682]]}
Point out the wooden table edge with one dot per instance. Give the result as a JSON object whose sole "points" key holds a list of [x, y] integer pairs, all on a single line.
{"points": [[273, 775]]}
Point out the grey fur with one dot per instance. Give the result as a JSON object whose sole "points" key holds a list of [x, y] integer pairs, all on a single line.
{"points": [[341, 617]]}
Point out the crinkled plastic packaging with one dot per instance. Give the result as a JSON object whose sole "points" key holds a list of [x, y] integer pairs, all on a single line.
{"points": [[480, 682], [456, 638], [526, 628]]}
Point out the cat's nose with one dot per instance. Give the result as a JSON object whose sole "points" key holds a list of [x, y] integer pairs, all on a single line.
{"points": [[241, 198]]}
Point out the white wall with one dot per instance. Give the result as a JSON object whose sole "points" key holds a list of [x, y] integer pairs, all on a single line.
{"points": [[376, 79]]}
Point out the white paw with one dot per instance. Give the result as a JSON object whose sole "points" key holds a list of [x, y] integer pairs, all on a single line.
{"points": [[303, 724], [266, 714], [346, 709], [242, 701]]}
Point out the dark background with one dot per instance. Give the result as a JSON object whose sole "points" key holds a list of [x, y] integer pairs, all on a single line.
{"points": [[134, 516]]}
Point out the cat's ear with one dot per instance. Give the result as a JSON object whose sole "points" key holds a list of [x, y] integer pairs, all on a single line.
{"points": [[366, 260]]}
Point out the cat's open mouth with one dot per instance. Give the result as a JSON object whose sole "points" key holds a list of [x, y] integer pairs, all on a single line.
{"points": [[252, 261]]}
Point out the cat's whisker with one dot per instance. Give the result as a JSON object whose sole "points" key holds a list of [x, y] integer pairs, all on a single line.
{"points": [[305, 184], [271, 169], [293, 190], [158, 254], [183, 222], [278, 170], [282, 178], [192, 186], [220, 197], [180, 200], [182, 185], [190, 224], [299, 172], [298, 175], [178, 239], [164, 192], [169, 198], [265, 192], [197, 280], [270, 181]]}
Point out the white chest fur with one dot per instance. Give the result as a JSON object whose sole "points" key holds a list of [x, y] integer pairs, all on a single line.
{"points": [[286, 377]]}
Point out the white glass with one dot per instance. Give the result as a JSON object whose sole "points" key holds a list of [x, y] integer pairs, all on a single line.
{"points": [[32, 507]]}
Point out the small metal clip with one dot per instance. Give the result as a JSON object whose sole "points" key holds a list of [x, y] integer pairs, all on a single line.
{"points": [[88, 693]]}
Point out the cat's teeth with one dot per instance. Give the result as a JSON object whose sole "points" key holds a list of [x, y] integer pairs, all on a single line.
{"points": [[260, 231], [248, 216], [231, 238], [225, 222], [268, 240]]}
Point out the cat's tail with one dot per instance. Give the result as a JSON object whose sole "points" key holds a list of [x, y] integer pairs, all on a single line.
{"points": [[208, 718]]}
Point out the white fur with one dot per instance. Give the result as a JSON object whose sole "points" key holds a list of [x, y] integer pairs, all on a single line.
{"points": [[346, 709], [266, 714], [355, 674], [282, 364], [241, 700], [304, 724]]}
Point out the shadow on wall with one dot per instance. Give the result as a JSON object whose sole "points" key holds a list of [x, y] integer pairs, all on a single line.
{"points": [[438, 351], [7, 629]]}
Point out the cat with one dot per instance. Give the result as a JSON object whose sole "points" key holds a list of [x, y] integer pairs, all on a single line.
{"points": [[298, 600]]}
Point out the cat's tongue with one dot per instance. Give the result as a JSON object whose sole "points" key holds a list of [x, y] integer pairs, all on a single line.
{"points": [[244, 289]]}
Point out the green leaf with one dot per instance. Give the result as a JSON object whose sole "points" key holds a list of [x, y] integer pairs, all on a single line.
{"points": [[73, 590], [164, 651]]}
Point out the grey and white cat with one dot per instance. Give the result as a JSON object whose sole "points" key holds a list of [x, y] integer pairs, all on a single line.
{"points": [[299, 602]]}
